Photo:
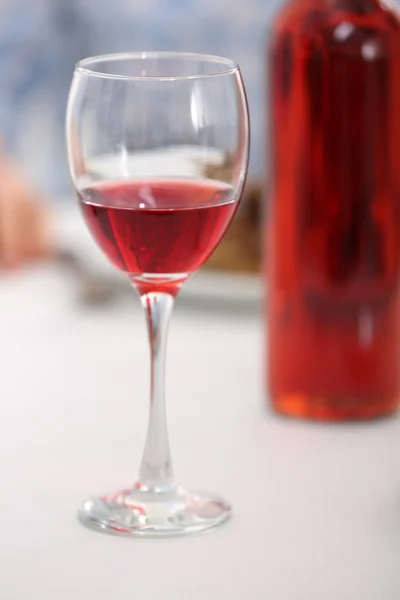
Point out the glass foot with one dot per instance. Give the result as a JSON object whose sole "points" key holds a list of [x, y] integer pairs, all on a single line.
{"points": [[147, 513]]}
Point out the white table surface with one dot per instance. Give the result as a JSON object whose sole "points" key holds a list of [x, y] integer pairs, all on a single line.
{"points": [[316, 507]]}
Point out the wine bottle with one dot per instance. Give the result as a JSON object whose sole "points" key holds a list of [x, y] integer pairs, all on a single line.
{"points": [[332, 256]]}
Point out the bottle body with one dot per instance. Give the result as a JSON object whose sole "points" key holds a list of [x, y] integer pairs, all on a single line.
{"points": [[333, 225]]}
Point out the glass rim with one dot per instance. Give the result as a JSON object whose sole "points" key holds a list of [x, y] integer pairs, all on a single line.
{"points": [[228, 66]]}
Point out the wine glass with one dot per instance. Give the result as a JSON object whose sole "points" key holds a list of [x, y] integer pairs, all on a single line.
{"points": [[158, 150]]}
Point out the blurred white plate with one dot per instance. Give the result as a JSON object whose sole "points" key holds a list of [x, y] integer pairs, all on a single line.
{"points": [[175, 161]]}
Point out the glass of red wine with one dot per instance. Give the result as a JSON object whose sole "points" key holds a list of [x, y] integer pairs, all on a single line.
{"points": [[158, 151]]}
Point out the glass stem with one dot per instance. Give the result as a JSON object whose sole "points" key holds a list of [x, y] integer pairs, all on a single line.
{"points": [[156, 471]]}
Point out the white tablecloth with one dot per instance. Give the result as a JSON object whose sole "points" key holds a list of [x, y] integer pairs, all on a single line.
{"points": [[316, 507]]}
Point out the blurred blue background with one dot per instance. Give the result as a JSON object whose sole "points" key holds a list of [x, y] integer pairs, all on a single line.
{"points": [[40, 40]]}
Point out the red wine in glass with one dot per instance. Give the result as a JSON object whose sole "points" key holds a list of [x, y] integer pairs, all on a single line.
{"points": [[160, 230]]}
